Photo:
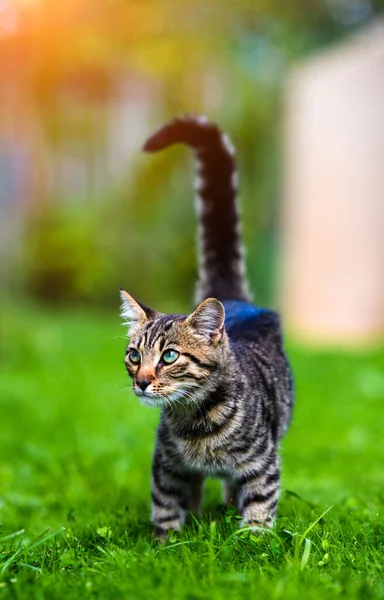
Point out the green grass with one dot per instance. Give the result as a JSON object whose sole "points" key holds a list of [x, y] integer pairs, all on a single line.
{"points": [[75, 453]]}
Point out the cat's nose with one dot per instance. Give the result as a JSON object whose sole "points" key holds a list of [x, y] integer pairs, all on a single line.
{"points": [[142, 384]]}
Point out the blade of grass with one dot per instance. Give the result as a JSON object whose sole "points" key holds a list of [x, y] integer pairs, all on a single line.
{"points": [[306, 554], [21, 551], [12, 535], [252, 529], [170, 546], [311, 526], [30, 567]]}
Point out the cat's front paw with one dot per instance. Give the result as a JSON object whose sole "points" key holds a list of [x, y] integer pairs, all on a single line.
{"points": [[256, 527], [259, 523], [162, 536]]}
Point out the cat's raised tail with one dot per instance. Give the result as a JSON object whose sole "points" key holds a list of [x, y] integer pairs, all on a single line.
{"points": [[221, 253]]}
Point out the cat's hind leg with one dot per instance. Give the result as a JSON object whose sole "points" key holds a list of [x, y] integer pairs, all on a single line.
{"points": [[230, 492], [196, 483]]}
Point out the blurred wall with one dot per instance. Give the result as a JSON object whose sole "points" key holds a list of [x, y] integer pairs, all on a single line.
{"points": [[333, 251]]}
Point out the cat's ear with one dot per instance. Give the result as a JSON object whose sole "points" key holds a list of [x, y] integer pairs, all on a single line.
{"points": [[208, 319], [133, 312]]}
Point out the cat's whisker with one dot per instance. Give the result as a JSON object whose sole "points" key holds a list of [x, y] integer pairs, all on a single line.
{"points": [[194, 401], [127, 389]]}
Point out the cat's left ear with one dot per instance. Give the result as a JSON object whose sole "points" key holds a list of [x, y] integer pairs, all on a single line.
{"points": [[133, 312], [208, 319]]}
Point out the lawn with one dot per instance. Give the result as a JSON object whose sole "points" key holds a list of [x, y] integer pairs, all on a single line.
{"points": [[74, 478]]}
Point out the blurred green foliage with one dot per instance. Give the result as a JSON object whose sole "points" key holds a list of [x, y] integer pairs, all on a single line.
{"points": [[227, 59]]}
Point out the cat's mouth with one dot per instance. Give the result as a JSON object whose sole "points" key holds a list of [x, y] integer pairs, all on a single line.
{"points": [[185, 395], [149, 398]]}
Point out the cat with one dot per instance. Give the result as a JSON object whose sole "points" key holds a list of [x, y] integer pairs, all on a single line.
{"points": [[220, 374]]}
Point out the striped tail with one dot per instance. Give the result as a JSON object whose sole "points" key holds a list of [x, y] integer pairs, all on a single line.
{"points": [[221, 260]]}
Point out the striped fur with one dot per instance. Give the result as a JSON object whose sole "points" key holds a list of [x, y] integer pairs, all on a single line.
{"points": [[227, 397]]}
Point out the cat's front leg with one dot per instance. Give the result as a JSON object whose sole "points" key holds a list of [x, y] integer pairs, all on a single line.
{"points": [[258, 493], [174, 491]]}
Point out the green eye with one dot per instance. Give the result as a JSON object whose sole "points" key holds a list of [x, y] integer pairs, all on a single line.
{"points": [[134, 356], [170, 356]]}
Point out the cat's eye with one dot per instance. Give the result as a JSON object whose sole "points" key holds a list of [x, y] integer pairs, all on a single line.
{"points": [[134, 356], [170, 356]]}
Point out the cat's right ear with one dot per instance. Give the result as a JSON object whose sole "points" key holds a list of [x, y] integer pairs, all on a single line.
{"points": [[208, 319], [133, 312]]}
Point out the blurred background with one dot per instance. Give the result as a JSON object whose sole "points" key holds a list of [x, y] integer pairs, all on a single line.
{"points": [[299, 87], [82, 211]]}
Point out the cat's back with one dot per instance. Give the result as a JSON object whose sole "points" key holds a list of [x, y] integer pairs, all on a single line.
{"points": [[257, 345], [245, 322], [255, 337]]}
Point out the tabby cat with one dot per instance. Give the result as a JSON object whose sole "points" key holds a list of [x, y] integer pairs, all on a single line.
{"points": [[220, 374]]}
